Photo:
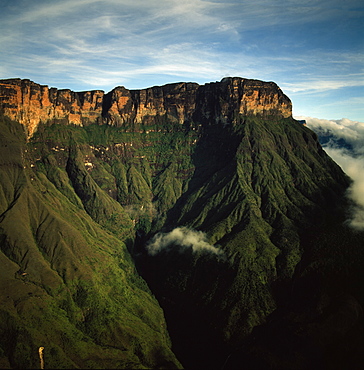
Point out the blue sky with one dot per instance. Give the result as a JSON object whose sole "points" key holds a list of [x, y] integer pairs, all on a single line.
{"points": [[313, 49]]}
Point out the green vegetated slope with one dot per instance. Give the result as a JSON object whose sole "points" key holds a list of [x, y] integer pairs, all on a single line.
{"points": [[269, 197], [68, 282], [263, 191]]}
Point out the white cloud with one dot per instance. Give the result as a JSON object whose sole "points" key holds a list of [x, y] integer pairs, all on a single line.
{"points": [[354, 167], [351, 161], [351, 131], [181, 238]]}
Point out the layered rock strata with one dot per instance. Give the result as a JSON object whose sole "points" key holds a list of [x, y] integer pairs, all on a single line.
{"points": [[30, 103]]}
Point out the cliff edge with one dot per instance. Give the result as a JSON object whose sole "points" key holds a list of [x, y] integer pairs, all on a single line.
{"points": [[30, 103]]}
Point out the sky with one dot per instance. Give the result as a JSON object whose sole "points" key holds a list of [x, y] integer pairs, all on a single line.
{"points": [[313, 49]]}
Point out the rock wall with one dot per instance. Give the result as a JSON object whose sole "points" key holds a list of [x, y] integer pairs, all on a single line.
{"points": [[31, 103]]}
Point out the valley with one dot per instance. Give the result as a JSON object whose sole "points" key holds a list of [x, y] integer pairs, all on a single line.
{"points": [[252, 264]]}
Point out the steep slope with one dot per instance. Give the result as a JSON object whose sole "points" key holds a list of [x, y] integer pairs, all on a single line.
{"points": [[67, 284], [230, 208], [273, 202]]}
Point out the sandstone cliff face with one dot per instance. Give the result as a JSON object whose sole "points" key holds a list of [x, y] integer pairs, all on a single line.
{"points": [[223, 101], [176, 101], [31, 103]]}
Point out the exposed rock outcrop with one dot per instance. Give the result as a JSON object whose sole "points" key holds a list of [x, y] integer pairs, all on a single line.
{"points": [[31, 103], [81, 199]]}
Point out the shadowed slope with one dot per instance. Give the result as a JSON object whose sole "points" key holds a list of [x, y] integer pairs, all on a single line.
{"points": [[265, 192], [224, 163]]}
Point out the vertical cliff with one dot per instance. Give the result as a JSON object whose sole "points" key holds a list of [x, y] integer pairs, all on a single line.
{"points": [[100, 179], [30, 103]]}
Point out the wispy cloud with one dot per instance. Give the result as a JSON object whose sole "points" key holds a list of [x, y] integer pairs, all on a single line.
{"points": [[115, 42], [51, 9], [322, 84]]}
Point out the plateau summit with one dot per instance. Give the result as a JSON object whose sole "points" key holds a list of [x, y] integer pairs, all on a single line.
{"points": [[179, 226]]}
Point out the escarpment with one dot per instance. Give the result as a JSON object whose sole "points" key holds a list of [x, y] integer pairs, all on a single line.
{"points": [[30, 103], [183, 225]]}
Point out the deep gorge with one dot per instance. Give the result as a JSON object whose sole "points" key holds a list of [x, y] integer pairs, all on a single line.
{"points": [[88, 179]]}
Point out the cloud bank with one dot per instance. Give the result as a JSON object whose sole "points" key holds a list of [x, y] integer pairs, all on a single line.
{"points": [[346, 147], [181, 238]]}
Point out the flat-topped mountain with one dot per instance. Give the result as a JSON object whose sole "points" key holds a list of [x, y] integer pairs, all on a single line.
{"points": [[30, 103], [184, 225]]}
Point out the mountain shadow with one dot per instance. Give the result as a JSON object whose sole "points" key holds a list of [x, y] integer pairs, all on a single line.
{"points": [[177, 226]]}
